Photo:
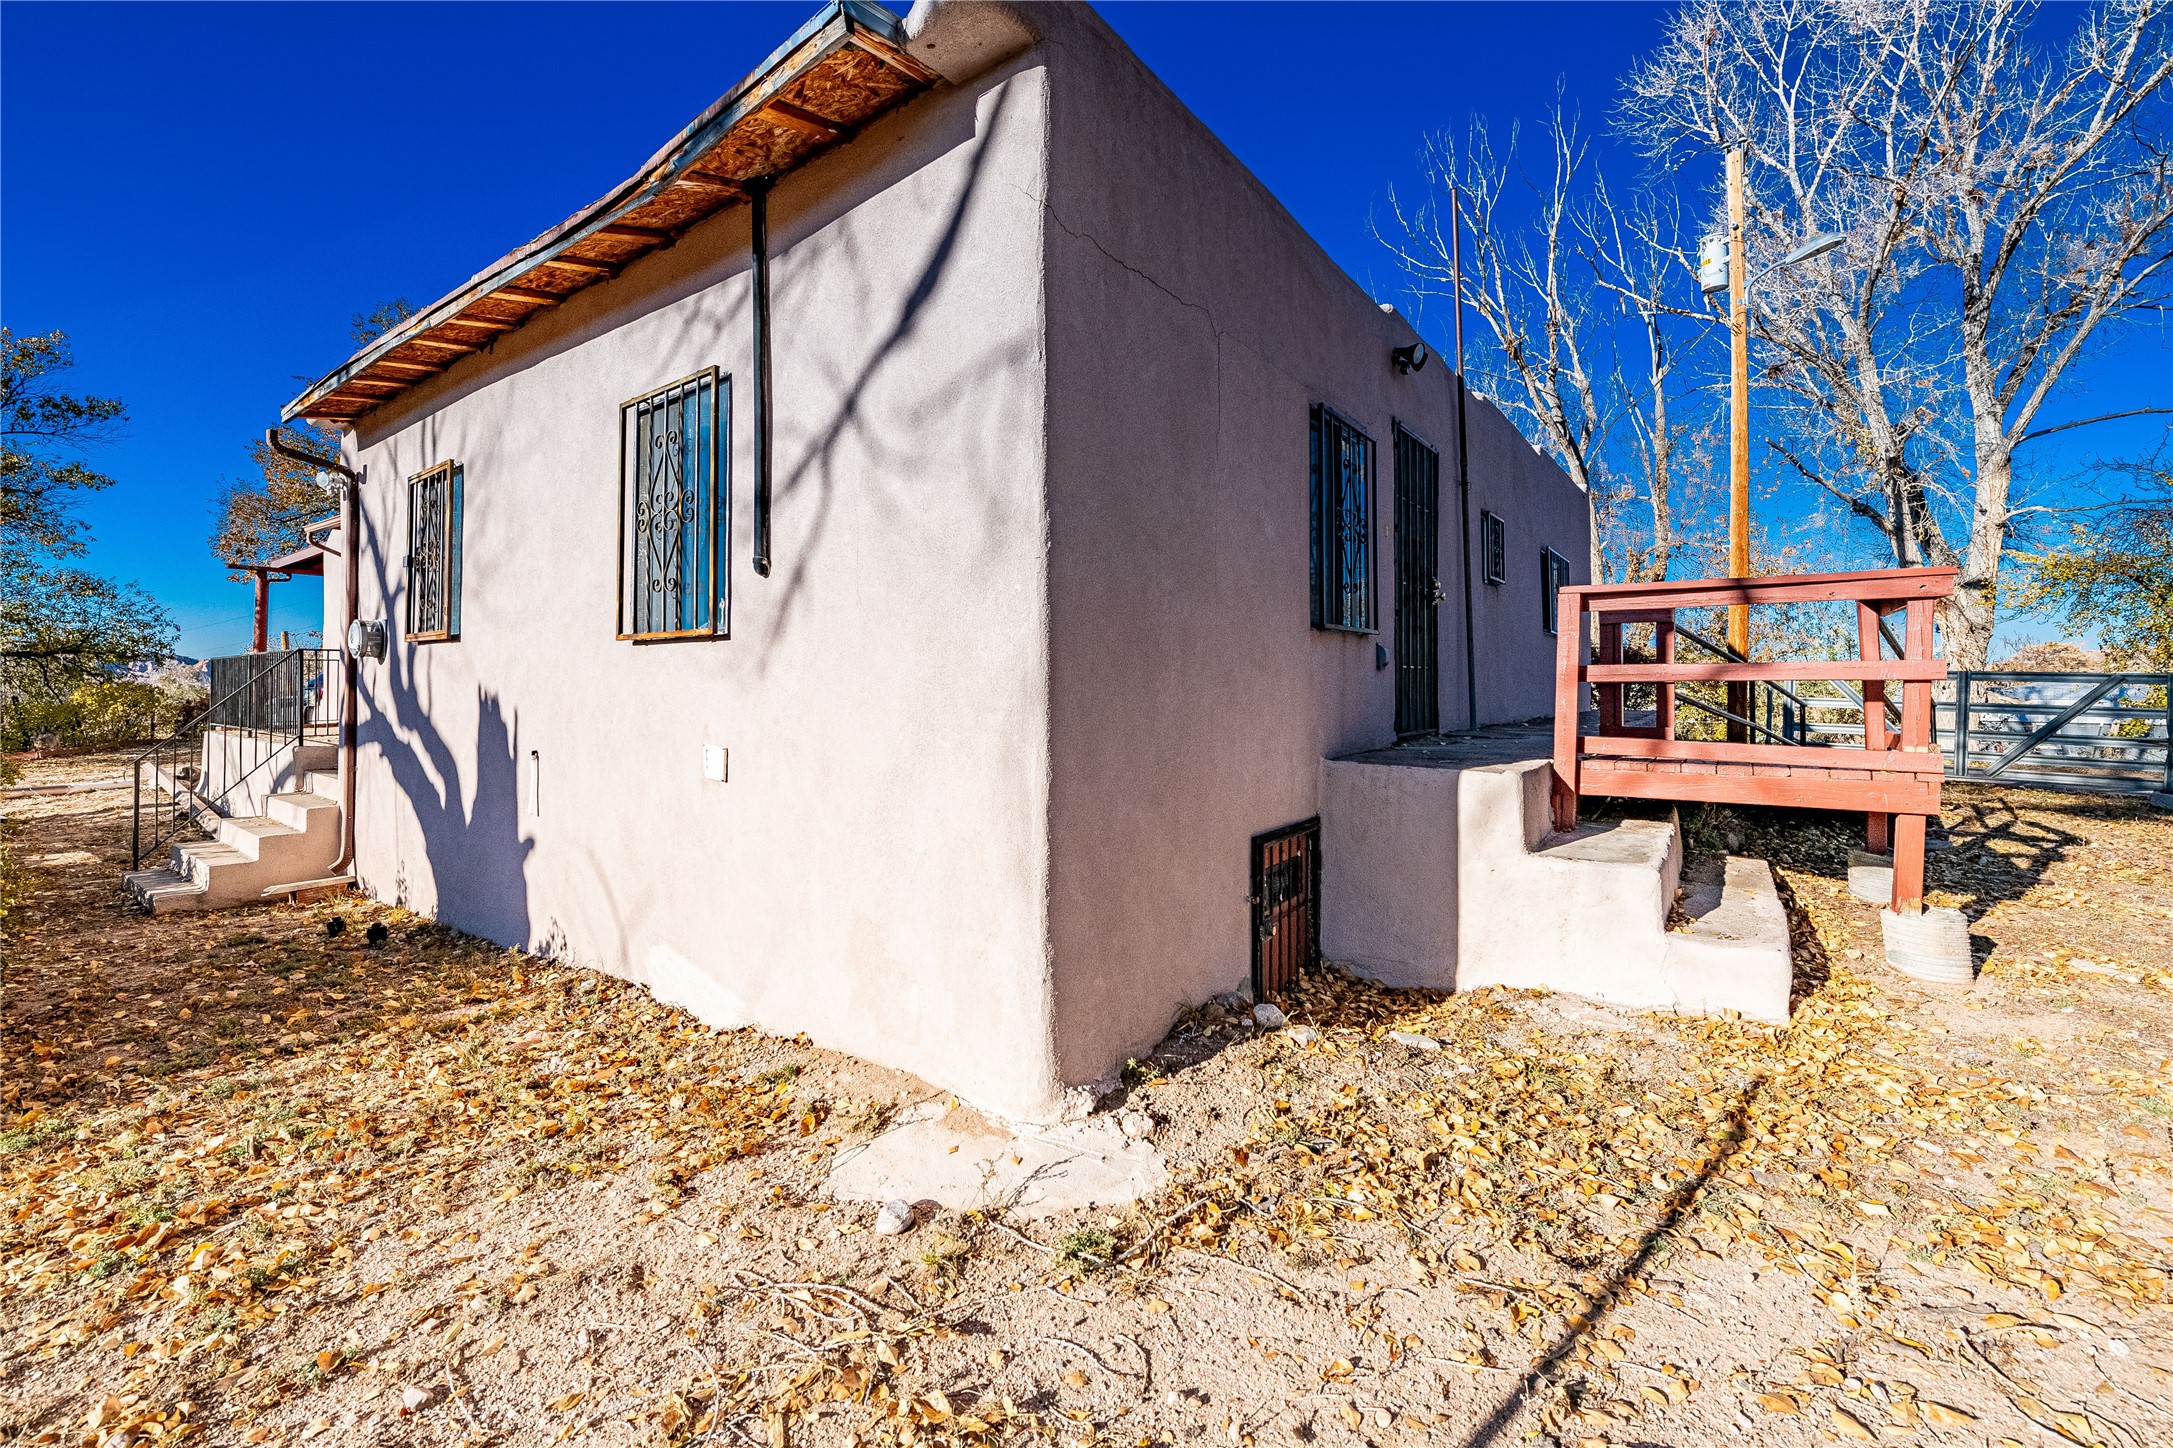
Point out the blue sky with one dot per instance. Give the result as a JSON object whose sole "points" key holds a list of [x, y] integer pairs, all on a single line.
{"points": [[201, 195]]}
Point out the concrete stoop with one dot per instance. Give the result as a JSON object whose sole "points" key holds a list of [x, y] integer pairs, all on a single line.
{"points": [[1447, 875], [293, 842]]}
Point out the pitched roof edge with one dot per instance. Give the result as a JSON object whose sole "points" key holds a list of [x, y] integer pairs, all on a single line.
{"points": [[839, 23]]}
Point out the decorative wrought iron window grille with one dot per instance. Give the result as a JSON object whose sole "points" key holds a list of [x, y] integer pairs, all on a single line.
{"points": [[672, 510], [433, 554], [1493, 548], [1342, 524], [1553, 578]]}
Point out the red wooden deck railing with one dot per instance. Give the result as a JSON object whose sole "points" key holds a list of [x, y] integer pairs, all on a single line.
{"points": [[1893, 778]]}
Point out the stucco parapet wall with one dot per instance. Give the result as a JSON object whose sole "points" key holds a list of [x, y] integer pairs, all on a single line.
{"points": [[960, 39]]}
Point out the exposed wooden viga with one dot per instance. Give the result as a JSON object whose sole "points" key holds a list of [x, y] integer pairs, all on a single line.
{"points": [[1893, 778], [842, 69]]}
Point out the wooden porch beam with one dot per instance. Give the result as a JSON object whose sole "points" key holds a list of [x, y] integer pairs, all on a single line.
{"points": [[710, 183], [534, 295], [803, 120], [1926, 670], [582, 263], [1598, 747], [1900, 795]]}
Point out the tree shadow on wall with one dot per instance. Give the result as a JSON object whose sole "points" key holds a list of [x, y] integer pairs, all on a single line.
{"points": [[474, 853]]}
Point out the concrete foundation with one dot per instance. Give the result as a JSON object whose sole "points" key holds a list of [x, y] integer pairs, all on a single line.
{"points": [[1440, 870]]}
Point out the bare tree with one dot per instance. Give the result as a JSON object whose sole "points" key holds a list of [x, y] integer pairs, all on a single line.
{"points": [[1637, 252], [2002, 207], [1525, 282], [2054, 209], [1585, 306]]}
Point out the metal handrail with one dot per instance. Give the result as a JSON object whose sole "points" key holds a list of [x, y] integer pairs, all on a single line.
{"points": [[268, 739], [1790, 733], [1732, 717]]}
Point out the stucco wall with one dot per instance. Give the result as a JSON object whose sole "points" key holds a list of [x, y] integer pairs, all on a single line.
{"points": [[873, 871], [1192, 322]]}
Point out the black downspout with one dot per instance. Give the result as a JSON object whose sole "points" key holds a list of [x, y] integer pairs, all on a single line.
{"points": [[758, 191], [1463, 461]]}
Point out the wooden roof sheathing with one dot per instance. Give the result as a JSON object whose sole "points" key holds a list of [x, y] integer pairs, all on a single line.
{"points": [[843, 68]]}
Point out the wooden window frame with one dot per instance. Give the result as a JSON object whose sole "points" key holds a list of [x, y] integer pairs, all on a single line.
{"points": [[1553, 578], [1493, 547], [451, 476], [1325, 419], [717, 457]]}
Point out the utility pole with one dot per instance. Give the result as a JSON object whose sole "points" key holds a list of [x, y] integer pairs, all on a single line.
{"points": [[1738, 437], [1463, 461]]}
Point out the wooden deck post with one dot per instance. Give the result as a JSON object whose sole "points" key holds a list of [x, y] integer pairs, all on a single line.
{"points": [[1663, 642], [1878, 828], [1878, 833], [262, 613], [1568, 664], [1908, 898], [1916, 738], [1609, 697]]}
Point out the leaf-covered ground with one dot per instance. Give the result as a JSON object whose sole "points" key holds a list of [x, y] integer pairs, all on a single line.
{"points": [[264, 1183]]}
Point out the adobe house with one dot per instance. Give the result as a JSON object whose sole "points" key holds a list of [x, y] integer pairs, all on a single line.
{"points": [[877, 571]]}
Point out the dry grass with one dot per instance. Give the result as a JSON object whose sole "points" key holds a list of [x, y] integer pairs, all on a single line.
{"points": [[259, 1183]]}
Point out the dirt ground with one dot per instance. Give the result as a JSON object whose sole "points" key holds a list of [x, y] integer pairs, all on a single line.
{"points": [[264, 1183]]}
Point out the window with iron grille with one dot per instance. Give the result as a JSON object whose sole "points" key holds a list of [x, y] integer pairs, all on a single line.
{"points": [[1342, 524], [1553, 577], [672, 511], [433, 554], [1493, 548]]}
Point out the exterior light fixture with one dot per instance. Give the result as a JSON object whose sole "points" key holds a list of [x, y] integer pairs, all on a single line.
{"points": [[1410, 359], [1816, 244]]}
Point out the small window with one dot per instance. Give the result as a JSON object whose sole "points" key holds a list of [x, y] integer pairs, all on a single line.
{"points": [[1493, 548], [671, 511], [433, 554], [1342, 524], [1553, 578]]}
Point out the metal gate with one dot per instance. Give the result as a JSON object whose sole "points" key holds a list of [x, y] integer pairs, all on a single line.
{"points": [[1285, 906], [2107, 733], [1418, 586]]}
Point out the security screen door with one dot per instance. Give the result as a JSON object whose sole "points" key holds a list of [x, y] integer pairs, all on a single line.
{"points": [[1418, 586]]}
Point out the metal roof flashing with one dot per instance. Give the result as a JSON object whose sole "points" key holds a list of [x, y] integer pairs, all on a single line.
{"points": [[848, 64]]}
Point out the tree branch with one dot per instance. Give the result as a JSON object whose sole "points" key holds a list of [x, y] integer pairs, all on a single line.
{"points": [[2086, 422]]}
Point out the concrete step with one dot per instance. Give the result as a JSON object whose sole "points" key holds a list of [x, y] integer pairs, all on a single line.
{"points": [[161, 891], [305, 810], [255, 853], [315, 759], [293, 842], [1446, 874], [259, 837]]}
